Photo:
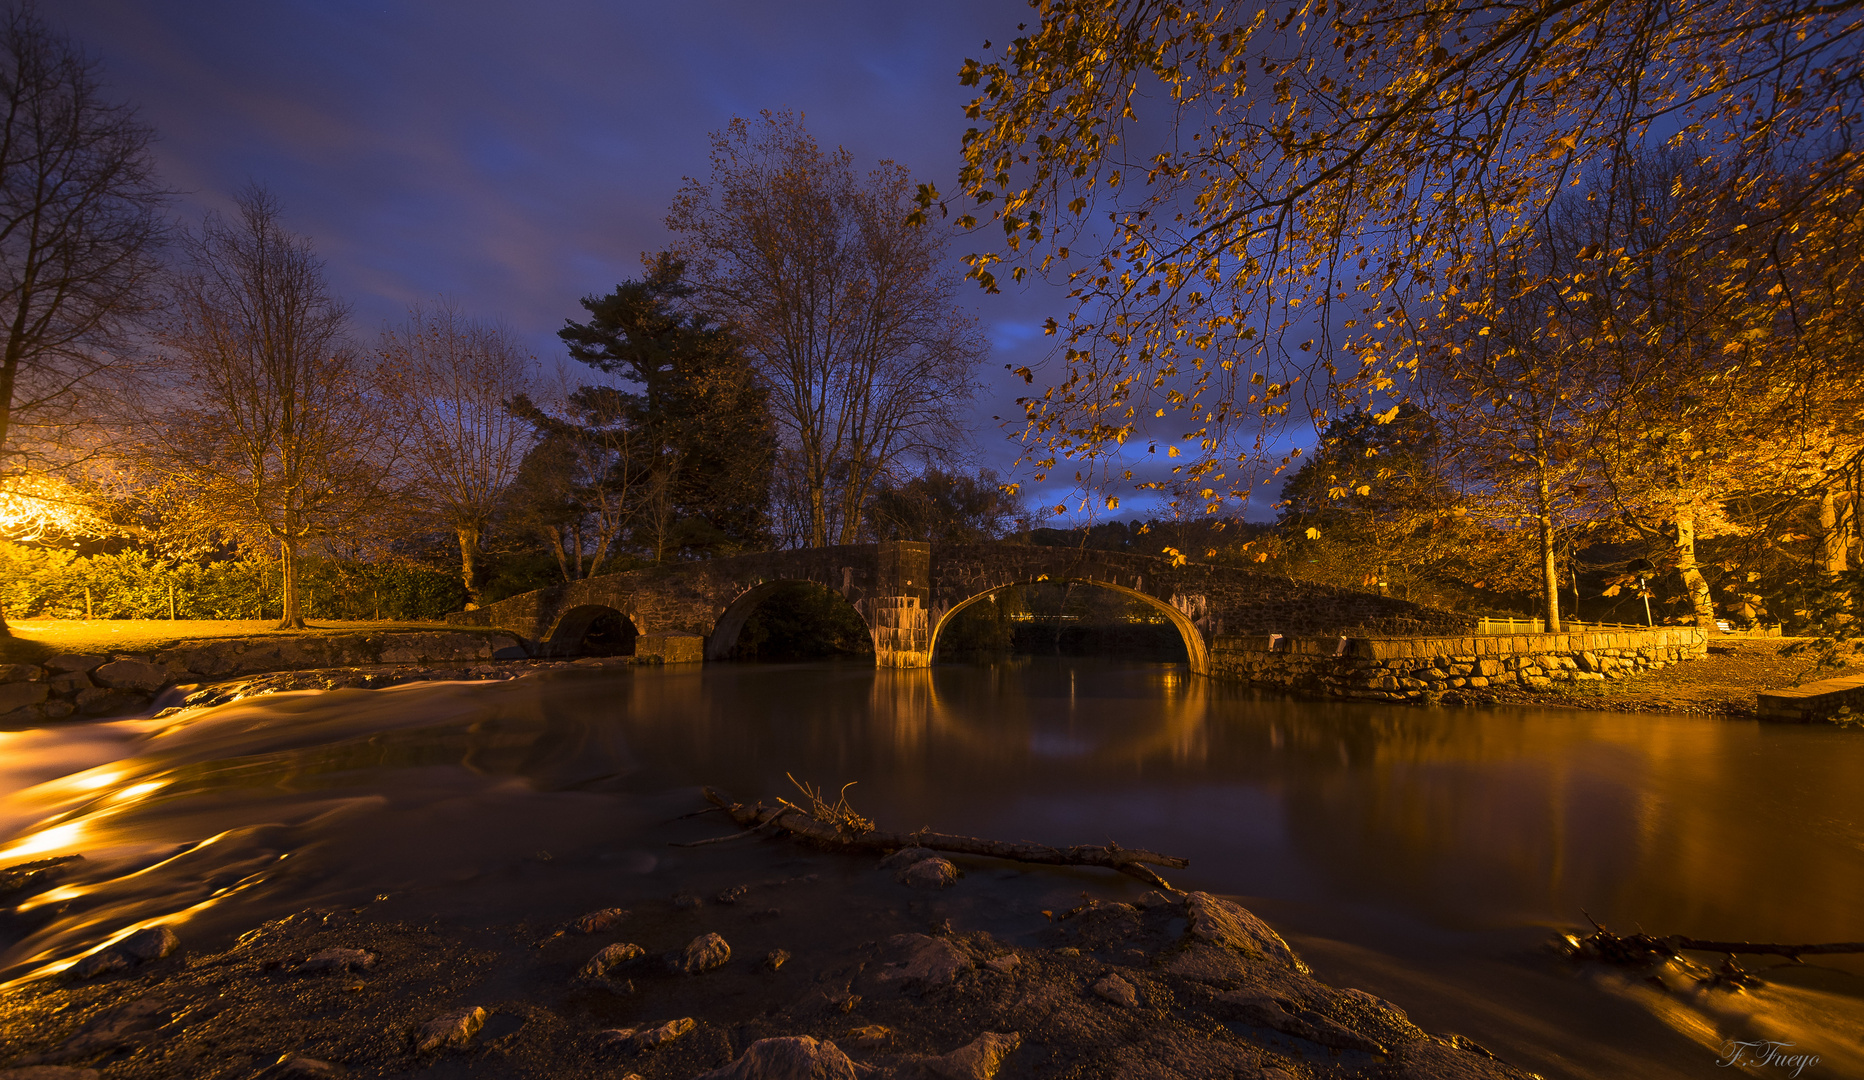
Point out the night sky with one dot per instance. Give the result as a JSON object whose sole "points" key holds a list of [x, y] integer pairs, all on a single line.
{"points": [[519, 157]]}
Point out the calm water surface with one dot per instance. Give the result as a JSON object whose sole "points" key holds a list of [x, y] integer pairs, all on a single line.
{"points": [[1426, 855]]}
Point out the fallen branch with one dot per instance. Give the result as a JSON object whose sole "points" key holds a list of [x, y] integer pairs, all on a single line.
{"points": [[1644, 949], [1130, 861]]}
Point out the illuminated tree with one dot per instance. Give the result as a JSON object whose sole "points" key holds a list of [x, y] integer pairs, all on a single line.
{"points": [[450, 381], [1259, 215], [846, 310], [273, 427]]}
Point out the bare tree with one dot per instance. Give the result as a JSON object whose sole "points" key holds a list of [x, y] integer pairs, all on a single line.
{"points": [[273, 427], [847, 310], [80, 222], [451, 380]]}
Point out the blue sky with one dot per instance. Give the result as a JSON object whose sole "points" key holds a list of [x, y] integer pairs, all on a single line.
{"points": [[519, 157]]}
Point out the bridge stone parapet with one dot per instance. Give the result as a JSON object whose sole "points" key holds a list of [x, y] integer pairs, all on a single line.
{"points": [[907, 593]]}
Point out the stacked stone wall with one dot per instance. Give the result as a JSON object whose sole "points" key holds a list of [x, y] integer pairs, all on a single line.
{"points": [[1419, 668], [75, 684]]}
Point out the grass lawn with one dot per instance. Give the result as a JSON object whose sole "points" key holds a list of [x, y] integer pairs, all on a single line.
{"points": [[35, 639]]}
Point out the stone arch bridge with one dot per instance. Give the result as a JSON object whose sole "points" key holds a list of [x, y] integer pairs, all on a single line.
{"points": [[907, 592]]}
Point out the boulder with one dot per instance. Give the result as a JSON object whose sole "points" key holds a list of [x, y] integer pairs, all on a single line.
{"points": [[21, 695], [149, 943], [74, 662], [99, 702], [128, 674], [11, 673], [647, 1038]]}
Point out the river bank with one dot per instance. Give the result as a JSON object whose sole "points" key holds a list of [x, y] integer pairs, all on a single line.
{"points": [[840, 969], [1723, 683]]}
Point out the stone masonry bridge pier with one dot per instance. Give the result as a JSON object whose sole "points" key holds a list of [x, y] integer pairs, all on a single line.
{"points": [[907, 592]]}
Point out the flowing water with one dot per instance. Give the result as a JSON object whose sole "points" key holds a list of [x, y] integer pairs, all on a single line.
{"points": [[1426, 855]]}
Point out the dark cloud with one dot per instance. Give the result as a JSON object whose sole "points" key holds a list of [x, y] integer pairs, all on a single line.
{"points": [[519, 157]]}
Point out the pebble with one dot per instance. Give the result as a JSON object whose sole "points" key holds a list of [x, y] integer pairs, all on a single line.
{"points": [[686, 901], [775, 959], [733, 894], [793, 1057], [933, 873], [871, 1035], [703, 953], [452, 1029], [1117, 990]]}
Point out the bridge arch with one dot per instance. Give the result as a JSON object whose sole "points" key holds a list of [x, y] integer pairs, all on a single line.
{"points": [[574, 626], [729, 626], [1196, 651]]}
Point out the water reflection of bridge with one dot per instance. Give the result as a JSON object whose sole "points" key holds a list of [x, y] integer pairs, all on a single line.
{"points": [[907, 593]]}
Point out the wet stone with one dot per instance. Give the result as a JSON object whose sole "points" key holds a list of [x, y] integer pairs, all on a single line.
{"points": [[905, 857], [733, 894], [597, 922], [775, 959], [922, 961], [933, 873], [603, 969], [704, 953], [686, 901], [450, 1030]]}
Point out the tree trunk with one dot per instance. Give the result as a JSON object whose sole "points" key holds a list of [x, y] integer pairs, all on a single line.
{"points": [[1693, 582], [4, 631], [469, 564], [1834, 536], [292, 618], [1549, 568]]}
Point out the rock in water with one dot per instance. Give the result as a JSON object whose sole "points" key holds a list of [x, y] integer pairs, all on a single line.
{"points": [[131, 675], [149, 943], [796, 1057], [1117, 990], [604, 967], [703, 953], [905, 857], [450, 1030], [933, 873], [49, 1072], [597, 922]]}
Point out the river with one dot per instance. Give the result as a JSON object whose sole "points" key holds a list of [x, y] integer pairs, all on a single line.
{"points": [[1427, 855]]}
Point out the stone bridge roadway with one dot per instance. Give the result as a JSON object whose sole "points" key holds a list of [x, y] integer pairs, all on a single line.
{"points": [[906, 593]]}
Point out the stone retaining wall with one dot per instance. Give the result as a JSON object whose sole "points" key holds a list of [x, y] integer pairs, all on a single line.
{"points": [[120, 682], [1410, 669]]}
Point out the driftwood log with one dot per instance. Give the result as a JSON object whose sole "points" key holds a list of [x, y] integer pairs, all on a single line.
{"points": [[793, 820], [1645, 949]]}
